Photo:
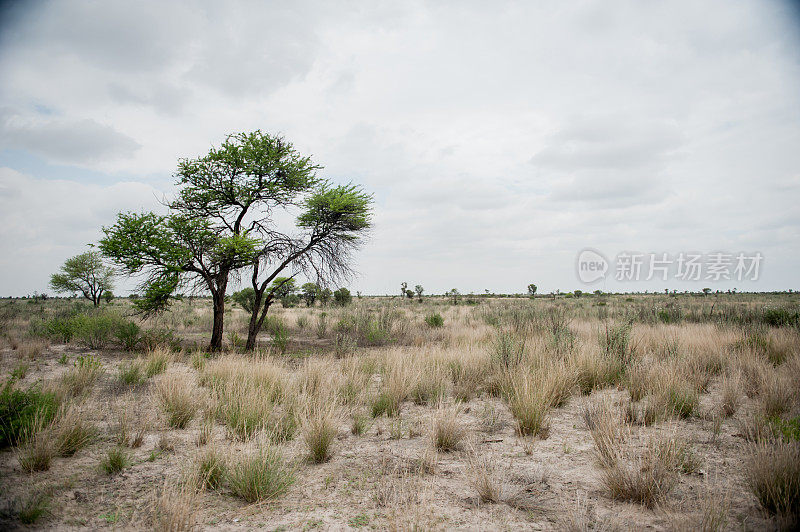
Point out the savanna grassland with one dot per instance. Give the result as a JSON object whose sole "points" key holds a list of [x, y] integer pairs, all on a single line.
{"points": [[591, 413]]}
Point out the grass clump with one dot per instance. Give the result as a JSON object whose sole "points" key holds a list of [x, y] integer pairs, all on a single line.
{"points": [[773, 475], [260, 475], [157, 361], [72, 433], [209, 469], [114, 461], [20, 409], [319, 432], [131, 373], [177, 399], [32, 507], [38, 449], [448, 432]]}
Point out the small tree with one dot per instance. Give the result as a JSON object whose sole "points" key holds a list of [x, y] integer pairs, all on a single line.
{"points": [[342, 297], [706, 291], [532, 290], [409, 293], [578, 293], [310, 291], [419, 290], [454, 294], [84, 273], [403, 288], [108, 296], [325, 296]]}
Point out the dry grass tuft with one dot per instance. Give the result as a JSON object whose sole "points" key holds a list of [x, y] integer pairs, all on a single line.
{"points": [[38, 447], [175, 509], [71, 432], [448, 431], [209, 468], [486, 477], [773, 475], [260, 475], [175, 393], [319, 430], [529, 404]]}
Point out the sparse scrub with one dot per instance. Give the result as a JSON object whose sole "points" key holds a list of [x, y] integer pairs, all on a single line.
{"points": [[529, 405], [132, 373]]}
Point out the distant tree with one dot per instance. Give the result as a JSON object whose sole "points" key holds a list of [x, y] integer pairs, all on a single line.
{"points": [[342, 297], [403, 288], [598, 292], [578, 293], [84, 273], [325, 296], [706, 291], [310, 291], [358, 294], [532, 290], [454, 294], [108, 296], [419, 290], [409, 293], [244, 298]]}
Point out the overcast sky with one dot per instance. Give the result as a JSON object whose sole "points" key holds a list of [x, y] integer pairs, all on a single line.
{"points": [[499, 139]]}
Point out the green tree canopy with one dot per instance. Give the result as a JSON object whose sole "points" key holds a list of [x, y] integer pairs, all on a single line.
{"points": [[84, 273]]}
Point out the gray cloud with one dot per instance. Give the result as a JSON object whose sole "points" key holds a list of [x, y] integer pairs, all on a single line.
{"points": [[64, 140]]}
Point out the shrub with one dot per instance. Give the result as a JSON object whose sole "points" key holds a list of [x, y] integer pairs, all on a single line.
{"points": [[19, 409], [322, 325], [260, 475], [128, 334], [434, 320], [95, 330], [177, 399], [280, 338], [773, 475], [616, 342], [780, 317], [159, 339], [114, 461]]}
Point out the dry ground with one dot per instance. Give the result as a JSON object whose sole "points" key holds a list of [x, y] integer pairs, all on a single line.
{"points": [[491, 428]]}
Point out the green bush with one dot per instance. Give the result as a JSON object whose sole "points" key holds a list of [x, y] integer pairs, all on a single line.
{"points": [[780, 317], [128, 334], [20, 408], [342, 297], [434, 320]]}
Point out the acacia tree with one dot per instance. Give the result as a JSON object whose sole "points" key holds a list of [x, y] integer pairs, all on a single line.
{"points": [[332, 225], [84, 273], [218, 223]]}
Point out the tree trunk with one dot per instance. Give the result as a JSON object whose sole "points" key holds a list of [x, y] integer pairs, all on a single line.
{"points": [[254, 326], [219, 318]]}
